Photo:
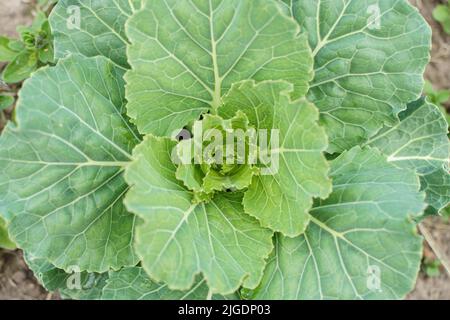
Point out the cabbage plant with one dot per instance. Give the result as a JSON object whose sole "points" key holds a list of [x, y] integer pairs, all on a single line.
{"points": [[103, 189]]}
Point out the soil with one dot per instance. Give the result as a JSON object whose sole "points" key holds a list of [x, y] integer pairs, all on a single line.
{"points": [[13, 14], [18, 282], [436, 288], [438, 71]]}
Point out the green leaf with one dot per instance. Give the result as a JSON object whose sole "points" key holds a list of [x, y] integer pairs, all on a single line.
{"points": [[5, 241], [281, 200], [40, 19], [61, 167], [179, 239], [437, 187], [185, 56], [73, 285], [134, 284], [367, 66], [445, 213], [6, 102], [437, 97], [361, 234], [443, 96], [192, 176], [100, 32], [50, 277], [46, 55], [45, 44], [21, 67], [432, 268], [441, 13], [6, 53], [16, 45], [419, 141], [239, 179]]}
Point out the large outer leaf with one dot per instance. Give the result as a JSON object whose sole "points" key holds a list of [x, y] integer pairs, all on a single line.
{"points": [[420, 142], [179, 239], [281, 201], [185, 55], [364, 74], [61, 167], [134, 284], [101, 31], [364, 224]]}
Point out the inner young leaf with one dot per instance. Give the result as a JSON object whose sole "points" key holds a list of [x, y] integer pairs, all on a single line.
{"points": [[219, 157]]}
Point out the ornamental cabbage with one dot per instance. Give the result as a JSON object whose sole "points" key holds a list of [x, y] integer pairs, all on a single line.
{"points": [[227, 149]]}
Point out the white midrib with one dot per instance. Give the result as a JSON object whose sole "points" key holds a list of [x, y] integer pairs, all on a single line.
{"points": [[322, 42], [217, 94], [424, 158], [90, 163], [328, 229], [173, 235]]}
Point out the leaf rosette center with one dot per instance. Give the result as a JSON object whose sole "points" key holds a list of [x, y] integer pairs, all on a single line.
{"points": [[221, 155]]}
